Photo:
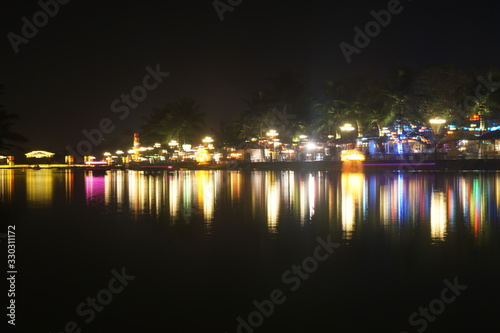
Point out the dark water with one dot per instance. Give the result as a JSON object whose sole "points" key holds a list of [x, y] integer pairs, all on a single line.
{"points": [[200, 247]]}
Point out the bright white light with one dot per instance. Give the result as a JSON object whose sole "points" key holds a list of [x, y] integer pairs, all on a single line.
{"points": [[208, 139], [347, 127], [437, 121], [311, 145], [272, 133]]}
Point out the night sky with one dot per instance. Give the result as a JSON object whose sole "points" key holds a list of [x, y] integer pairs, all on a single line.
{"points": [[66, 77]]}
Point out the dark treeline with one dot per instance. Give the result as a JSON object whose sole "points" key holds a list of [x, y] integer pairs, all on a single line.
{"points": [[8, 137], [289, 105], [408, 96]]}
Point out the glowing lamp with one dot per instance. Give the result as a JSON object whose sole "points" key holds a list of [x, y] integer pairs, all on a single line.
{"points": [[347, 128], [351, 155], [207, 139], [272, 133]]}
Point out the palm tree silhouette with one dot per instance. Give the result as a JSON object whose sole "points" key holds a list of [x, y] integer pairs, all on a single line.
{"points": [[7, 120], [181, 121]]}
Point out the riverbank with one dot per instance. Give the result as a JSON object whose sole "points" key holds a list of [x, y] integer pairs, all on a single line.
{"points": [[373, 166], [367, 166]]}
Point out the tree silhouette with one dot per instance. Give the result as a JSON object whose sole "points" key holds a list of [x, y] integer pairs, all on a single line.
{"points": [[7, 136], [181, 120]]}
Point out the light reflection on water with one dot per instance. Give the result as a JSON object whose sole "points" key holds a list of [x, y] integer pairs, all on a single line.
{"points": [[437, 202], [6, 186]]}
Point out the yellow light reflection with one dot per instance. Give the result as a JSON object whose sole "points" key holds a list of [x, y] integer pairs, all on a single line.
{"points": [[235, 186], [438, 216], [352, 200], [39, 187], [69, 183], [206, 197], [6, 186]]}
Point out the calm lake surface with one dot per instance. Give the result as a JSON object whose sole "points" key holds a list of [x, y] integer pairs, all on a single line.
{"points": [[202, 246]]}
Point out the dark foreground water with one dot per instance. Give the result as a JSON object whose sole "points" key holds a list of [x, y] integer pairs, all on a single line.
{"points": [[226, 251]]}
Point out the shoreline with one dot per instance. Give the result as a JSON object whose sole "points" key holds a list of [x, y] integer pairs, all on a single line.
{"points": [[366, 166]]}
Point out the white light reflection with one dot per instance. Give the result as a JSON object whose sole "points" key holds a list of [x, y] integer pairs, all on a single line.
{"points": [[174, 194], [311, 193], [272, 202], [438, 216]]}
